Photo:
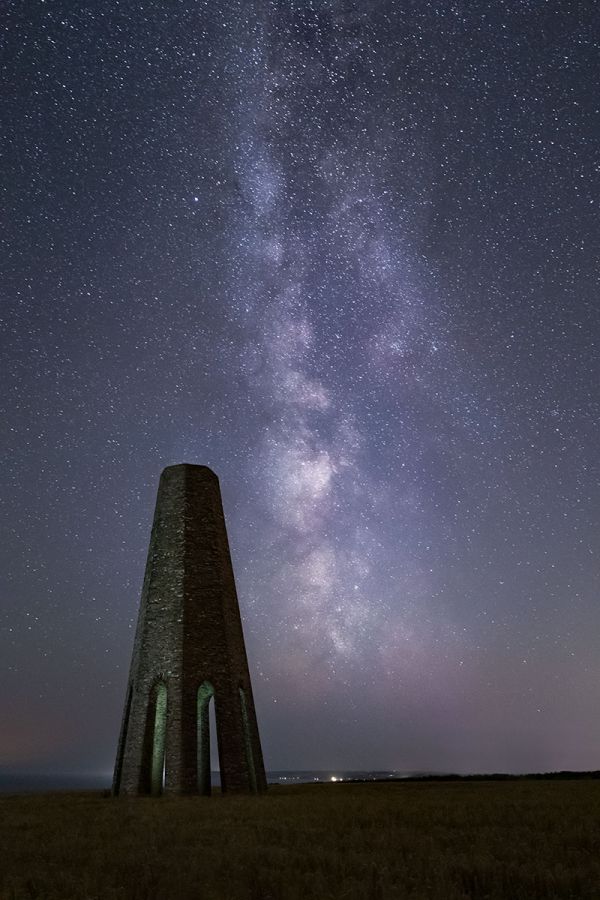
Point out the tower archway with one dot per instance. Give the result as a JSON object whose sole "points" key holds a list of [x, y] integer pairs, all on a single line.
{"points": [[153, 757], [206, 692]]}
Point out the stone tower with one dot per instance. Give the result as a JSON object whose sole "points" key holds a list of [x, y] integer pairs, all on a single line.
{"points": [[189, 648]]}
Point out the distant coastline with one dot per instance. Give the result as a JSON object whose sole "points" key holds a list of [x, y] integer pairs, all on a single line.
{"points": [[15, 782]]}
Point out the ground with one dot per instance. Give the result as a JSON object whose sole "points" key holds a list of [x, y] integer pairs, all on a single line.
{"points": [[437, 841]]}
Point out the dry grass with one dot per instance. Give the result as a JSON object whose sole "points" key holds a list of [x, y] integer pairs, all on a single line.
{"points": [[444, 841]]}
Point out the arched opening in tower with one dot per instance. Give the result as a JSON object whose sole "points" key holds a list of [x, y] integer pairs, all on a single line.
{"points": [[205, 694], [157, 768]]}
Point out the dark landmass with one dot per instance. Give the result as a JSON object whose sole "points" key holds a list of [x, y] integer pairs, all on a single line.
{"points": [[564, 775], [440, 838]]}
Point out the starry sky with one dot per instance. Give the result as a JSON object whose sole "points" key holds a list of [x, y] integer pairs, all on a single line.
{"points": [[346, 254]]}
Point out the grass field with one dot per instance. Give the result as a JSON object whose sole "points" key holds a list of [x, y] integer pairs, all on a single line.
{"points": [[445, 841]]}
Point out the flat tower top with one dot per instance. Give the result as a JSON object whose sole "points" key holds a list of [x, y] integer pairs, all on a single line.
{"points": [[198, 470]]}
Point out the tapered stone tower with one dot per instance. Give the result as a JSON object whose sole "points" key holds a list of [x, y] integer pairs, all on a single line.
{"points": [[189, 648]]}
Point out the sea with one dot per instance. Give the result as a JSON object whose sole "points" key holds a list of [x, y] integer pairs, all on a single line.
{"points": [[18, 783]]}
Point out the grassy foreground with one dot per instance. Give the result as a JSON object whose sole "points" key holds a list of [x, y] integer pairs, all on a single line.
{"points": [[444, 841]]}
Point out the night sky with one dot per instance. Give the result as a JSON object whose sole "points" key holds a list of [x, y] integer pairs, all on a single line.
{"points": [[346, 254]]}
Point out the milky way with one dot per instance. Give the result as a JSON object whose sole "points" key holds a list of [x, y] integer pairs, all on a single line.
{"points": [[346, 254]]}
